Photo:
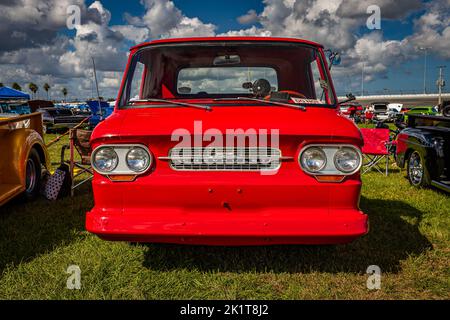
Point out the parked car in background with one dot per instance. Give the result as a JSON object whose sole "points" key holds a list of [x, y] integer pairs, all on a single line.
{"points": [[22, 156], [394, 110], [82, 110], [286, 172], [353, 110], [14, 108], [55, 118], [380, 111], [419, 111], [395, 107], [59, 118], [424, 148]]}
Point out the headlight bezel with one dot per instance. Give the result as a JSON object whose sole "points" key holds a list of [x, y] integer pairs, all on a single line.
{"points": [[122, 167], [330, 151], [302, 162], [149, 159], [340, 168], [94, 161]]}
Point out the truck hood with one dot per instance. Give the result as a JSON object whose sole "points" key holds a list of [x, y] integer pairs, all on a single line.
{"points": [[315, 121]]}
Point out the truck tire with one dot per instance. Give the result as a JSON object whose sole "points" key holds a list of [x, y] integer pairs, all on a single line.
{"points": [[33, 170], [418, 174]]}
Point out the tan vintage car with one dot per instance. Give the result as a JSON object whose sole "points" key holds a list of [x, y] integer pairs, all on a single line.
{"points": [[22, 156]]}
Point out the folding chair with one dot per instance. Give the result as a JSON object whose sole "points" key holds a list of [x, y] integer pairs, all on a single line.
{"points": [[376, 147], [79, 143]]}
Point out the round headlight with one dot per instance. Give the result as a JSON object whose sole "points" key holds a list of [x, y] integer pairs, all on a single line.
{"points": [[105, 159], [313, 159], [138, 159], [347, 159]]}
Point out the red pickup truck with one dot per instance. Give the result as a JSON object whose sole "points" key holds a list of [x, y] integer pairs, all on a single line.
{"points": [[227, 141]]}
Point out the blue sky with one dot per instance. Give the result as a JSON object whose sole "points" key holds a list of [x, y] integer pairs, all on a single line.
{"points": [[39, 47]]}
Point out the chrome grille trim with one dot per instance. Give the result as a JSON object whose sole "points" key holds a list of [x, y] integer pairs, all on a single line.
{"points": [[224, 159]]}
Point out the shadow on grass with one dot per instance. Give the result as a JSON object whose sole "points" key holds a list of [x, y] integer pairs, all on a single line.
{"points": [[30, 229], [391, 239]]}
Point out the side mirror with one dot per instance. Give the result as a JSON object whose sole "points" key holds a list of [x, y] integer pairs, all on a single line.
{"points": [[350, 97], [334, 58]]}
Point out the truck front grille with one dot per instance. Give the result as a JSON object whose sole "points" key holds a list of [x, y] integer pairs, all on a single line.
{"points": [[224, 159]]}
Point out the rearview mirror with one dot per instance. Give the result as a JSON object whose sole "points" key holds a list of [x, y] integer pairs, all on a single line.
{"points": [[227, 60], [184, 90]]}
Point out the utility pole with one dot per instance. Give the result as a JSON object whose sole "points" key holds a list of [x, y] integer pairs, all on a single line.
{"points": [[440, 83]]}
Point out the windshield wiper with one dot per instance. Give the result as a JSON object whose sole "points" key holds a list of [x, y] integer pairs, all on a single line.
{"points": [[184, 104], [295, 106]]}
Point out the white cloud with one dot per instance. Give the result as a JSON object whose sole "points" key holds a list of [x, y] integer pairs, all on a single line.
{"points": [[250, 17], [163, 19], [253, 31], [133, 33], [191, 27], [432, 29]]}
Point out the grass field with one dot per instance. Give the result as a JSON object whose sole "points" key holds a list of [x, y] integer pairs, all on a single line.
{"points": [[409, 240]]}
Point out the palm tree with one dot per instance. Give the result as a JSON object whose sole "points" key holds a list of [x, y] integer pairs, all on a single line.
{"points": [[16, 86], [46, 88], [33, 88], [64, 92], [1, 84]]}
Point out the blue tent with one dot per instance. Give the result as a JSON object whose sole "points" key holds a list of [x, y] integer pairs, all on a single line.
{"points": [[9, 93]]}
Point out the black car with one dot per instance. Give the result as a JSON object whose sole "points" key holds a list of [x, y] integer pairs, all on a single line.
{"points": [[424, 148], [59, 118]]}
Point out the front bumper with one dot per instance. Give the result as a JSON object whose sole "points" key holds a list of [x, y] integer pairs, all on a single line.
{"points": [[267, 226], [227, 209]]}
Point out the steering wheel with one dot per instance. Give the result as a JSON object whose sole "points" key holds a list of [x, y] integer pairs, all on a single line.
{"points": [[294, 93]]}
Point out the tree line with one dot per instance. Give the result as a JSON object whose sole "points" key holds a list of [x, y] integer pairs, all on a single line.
{"points": [[34, 89]]}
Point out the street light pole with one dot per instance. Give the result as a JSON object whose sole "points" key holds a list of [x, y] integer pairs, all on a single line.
{"points": [[425, 49], [362, 79]]}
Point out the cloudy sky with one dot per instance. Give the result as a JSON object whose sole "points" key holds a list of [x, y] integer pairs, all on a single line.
{"points": [[38, 46]]}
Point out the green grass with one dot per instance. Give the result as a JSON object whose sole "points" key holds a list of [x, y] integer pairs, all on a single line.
{"points": [[409, 240]]}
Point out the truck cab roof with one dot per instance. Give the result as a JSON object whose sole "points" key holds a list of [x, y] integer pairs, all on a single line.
{"points": [[223, 39]]}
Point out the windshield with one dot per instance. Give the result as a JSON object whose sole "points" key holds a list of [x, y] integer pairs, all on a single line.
{"points": [[213, 70]]}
